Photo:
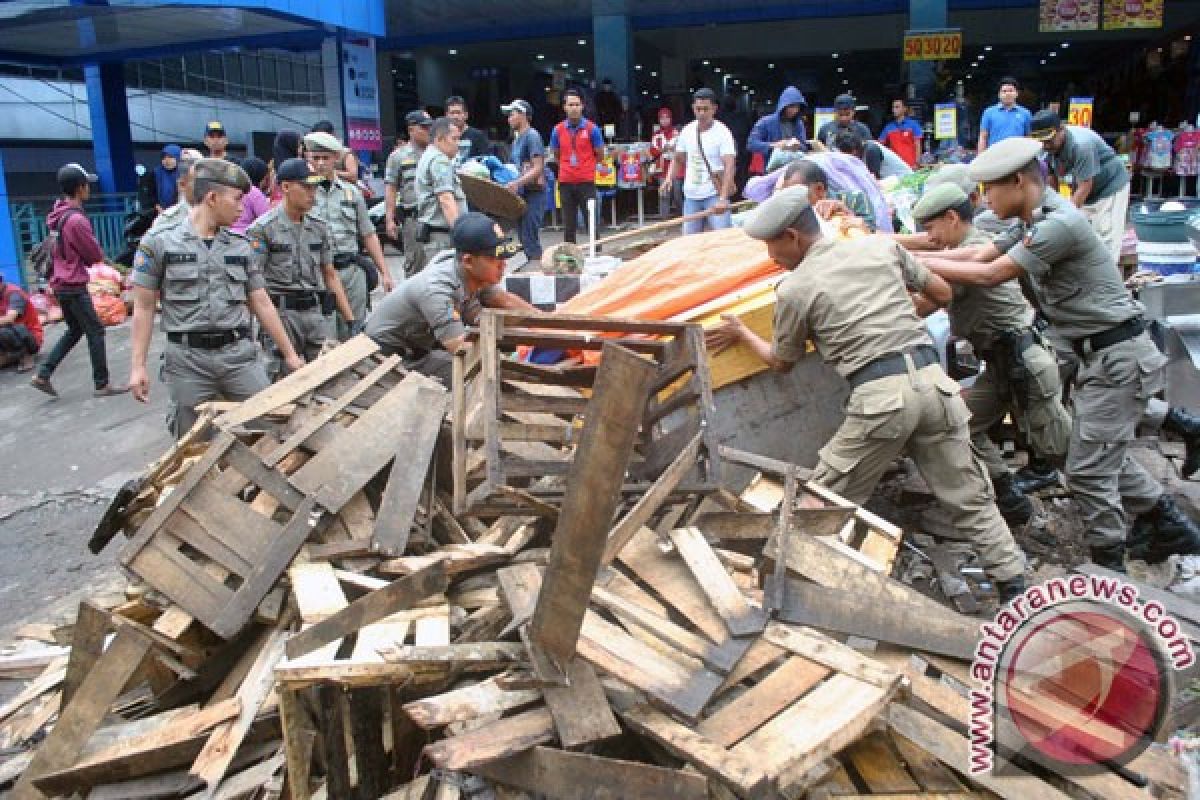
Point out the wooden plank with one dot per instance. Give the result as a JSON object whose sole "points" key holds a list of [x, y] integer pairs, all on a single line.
{"points": [[312, 671], [560, 775], [649, 503], [468, 657], [358, 453], [776, 593], [458, 432], [496, 740], [580, 710], [87, 645], [514, 321], [763, 463], [316, 590], [78, 721], [417, 436], [953, 750], [867, 614], [833, 654], [816, 726], [298, 741], [740, 617], [519, 586], [740, 773], [593, 491], [565, 406], [377, 605], [53, 675], [259, 471], [878, 766], [296, 384], [214, 760], [608, 648], [371, 767], [928, 771], [332, 729], [467, 703], [767, 698]]}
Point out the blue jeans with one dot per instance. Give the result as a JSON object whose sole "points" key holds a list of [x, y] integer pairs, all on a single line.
{"points": [[714, 223], [529, 229], [80, 316]]}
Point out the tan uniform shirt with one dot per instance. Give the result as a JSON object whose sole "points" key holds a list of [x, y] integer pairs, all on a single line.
{"points": [[978, 313], [435, 175], [401, 172], [851, 298], [203, 286], [342, 208], [170, 216], [295, 252]]}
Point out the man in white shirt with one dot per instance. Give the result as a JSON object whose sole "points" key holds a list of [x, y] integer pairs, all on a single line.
{"points": [[708, 165]]}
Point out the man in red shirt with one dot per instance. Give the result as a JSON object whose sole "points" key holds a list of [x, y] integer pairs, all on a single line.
{"points": [[903, 134], [20, 327], [75, 251], [577, 145]]}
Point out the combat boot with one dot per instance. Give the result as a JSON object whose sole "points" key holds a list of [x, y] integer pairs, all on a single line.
{"points": [[1014, 506], [1186, 426], [1167, 532], [1035, 476], [1109, 556], [1010, 589]]}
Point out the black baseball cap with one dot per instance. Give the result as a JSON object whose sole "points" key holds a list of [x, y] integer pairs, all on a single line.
{"points": [[297, 169], [477, 233], [844, 101], [1044, 125], [72, 176], [418, 117], [214, 128]]}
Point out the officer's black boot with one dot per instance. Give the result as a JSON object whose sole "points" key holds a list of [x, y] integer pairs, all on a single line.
{"points": [[1186, 426], [1014, 506], [1035, 476], [1167, 532], [1010, 589], [1110, 556]]}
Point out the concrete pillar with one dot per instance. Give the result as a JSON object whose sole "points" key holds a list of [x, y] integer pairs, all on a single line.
{"points": [[331, 72], [111, 140], [612, 45], [925, 15], [10, 254]]}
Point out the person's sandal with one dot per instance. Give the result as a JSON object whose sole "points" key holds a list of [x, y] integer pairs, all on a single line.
{"points": [[110, 391], [43, 385], [26, 364]]}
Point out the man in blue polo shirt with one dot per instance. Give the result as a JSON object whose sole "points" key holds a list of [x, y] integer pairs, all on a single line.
{"points": [[1005, 119]]}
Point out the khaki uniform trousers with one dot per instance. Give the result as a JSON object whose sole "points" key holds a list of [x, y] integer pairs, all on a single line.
{"points": [[1043, 419], [308, 331], [1111, 397], [354, 280], [921, 413], [195, 375], [414, 252]]}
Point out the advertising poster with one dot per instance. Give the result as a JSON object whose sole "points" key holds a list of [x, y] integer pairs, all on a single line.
{"points": [[360, 95], [1068, 15], [1120, 14], [945, 121]]}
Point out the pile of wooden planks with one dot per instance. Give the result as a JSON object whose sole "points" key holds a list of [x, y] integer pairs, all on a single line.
{"points": [[311, 618]]}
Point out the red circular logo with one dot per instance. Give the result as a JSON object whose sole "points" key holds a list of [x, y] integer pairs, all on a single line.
{"points": [[1083, 686]]}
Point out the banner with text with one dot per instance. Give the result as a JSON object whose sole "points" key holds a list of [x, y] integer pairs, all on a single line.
{"points": [[945, 121], [360, 95], [937, 45], [1120, 14], [1079, 112], [1068, 15]]}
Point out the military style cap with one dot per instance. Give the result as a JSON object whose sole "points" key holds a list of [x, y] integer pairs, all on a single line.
{"points": [[954, 175], [776, 214], [214, 128], [938, 200], [418, 118], [297, 169], [476, 233], [218, 170], [518, 105], [1003, 159], [321, 142], [843, 101], [1044, 125]]}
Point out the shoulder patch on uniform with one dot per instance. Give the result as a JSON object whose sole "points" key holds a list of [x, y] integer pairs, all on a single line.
{"points": [[1030, 235], [142, 260], [257, 244]]}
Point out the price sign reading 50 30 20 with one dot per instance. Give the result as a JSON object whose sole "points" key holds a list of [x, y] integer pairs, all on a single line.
{"points": [[932, 45]]}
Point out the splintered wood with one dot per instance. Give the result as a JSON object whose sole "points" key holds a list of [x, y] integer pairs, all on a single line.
{"points": [[359, 585]]}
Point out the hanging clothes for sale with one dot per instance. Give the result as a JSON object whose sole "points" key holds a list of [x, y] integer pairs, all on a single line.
{"points": [[1158, 146], [1187, 151]]}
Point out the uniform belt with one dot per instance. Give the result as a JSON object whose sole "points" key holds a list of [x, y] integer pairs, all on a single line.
{"points": [[405, 352], [296, 301], [1018, 341], [894, 364], [1119, 333], [436, 228], [345, 260], [209, 340]]}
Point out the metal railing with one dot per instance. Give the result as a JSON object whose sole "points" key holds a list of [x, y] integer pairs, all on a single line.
{"points": [[107, 214]]}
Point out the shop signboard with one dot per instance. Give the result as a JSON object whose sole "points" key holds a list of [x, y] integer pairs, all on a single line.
{"points": [[945, 121], [933, 45], [1068, 15], [1121, 14], [360, 95], [820, 117], [1079, 112]]}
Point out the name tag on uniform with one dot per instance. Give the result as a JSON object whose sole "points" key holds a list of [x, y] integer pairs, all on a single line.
{"points": [[348, 204], [314, 247], [240, 261], [280, 248], [179, 258]]}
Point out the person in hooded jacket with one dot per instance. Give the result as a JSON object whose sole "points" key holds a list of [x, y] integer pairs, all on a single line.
{"points": [[784, 129], [662, 150], [165, 176]]}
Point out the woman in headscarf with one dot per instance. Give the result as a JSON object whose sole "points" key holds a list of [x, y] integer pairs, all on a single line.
{"points": [[166, 174], [662, 150], [254, 202]]}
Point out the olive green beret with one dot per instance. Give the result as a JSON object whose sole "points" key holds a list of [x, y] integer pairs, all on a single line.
{"points": [[226, 173], [773, 216], [321, 142], [938, 200], [1004, 159]]}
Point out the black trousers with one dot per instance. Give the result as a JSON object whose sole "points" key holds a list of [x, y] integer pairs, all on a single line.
{"points": [[17, 339], [574, 196], [80, 316]]}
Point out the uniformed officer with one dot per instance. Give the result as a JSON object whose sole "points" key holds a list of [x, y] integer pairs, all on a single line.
{"points": [[298, 267], [850, 298], [340, 206], [210, 282], [401, 192], [1066, 268], [440, 198], [1022, 371], [423, 320]]}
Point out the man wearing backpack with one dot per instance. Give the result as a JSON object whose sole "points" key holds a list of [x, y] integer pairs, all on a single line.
{"points": [[74, 249]]}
